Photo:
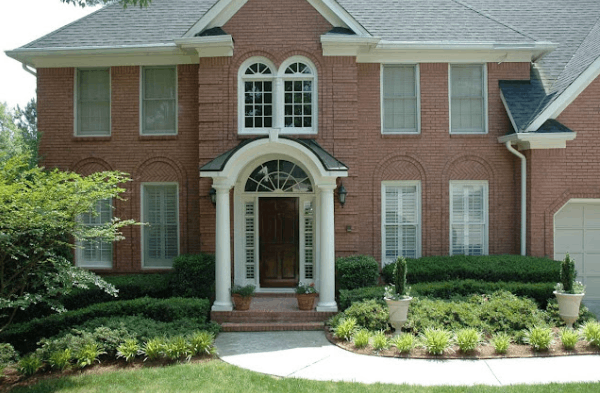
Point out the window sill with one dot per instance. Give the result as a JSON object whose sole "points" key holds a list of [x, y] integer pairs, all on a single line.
{"points": [[468, 133], [400, 134], [77, 138], [158, 137]]}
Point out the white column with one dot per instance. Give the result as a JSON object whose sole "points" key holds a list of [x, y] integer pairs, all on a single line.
{"points": [[222, 252], [327, 251]]}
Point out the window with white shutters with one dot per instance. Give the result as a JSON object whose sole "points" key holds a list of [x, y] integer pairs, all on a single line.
{"points": [[468, 217], [400, 99], [93, 102], [159, 100], [309, 241], [401, 220], [250, 239], [468, 99], [96, 253], [161, 234]]}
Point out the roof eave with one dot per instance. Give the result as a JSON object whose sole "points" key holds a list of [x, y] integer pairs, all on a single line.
{"points": [[526, 141]]}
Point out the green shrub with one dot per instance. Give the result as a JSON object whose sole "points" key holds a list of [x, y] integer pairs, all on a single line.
{"points": [[569, 338], [194, 276], [346, 329], [490, 268], [347, 297], [380, 341], [129, 350], [88, 355], [154, 348], [400, 277], [369, 314], [177, 348], [8, 355], [404, 342], [361, 338], [356, 271], [106, 338], [387, 273], [540, 338], [25, 336], [436, 341], [501, 342], [334, 321], [60, 360], [28, 365], [591, 332], [468, 339], [202, 343], [567, 274]]}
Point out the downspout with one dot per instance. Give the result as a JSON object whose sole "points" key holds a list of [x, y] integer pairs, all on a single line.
{"points": [[26, 68], [523, 196]]}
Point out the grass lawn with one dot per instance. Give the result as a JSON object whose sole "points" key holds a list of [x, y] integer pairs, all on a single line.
{"points": [[216, 376]]}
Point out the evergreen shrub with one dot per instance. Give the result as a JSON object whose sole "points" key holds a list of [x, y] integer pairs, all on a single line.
{"points": [[356, 271]]}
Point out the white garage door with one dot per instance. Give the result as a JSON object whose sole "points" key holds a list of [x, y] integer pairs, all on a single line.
{"points": [[577, 232]]}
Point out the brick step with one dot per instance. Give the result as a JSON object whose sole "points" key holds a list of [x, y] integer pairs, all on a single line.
{"points": [[261, 316], [271, 327]]}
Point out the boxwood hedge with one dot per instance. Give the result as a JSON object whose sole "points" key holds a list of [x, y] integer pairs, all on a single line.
{"points": [[356, 271]]}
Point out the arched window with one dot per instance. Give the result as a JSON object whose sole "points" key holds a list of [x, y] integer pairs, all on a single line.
{"points": [[278, 175], [285, 99]]}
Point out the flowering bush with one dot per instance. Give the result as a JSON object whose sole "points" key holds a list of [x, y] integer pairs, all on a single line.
{"points": [[305, 288]]}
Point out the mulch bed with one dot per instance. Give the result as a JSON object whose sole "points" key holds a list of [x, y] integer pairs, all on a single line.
{"points": [[482, 352]]}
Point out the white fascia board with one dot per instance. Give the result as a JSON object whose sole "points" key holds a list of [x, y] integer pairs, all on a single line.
{"points": [[568, 96], [347, 45], [213, 46], [526, 141], [217, 16], [510, 116], [159, 54]]}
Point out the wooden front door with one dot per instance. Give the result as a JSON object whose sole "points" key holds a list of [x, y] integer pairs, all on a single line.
{"points": [[278, 234]]}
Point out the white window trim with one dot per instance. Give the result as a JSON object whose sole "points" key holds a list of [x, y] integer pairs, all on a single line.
{"points": [[486, 232], [142, 209], [400, 183], [385, 131], [79, 259], [141, 100], [76, 102], [278, 77], [485, 100]]}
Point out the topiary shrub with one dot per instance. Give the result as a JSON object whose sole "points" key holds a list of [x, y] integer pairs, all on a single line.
{"points": [[194, 276], [369, 314], [356, 271]]}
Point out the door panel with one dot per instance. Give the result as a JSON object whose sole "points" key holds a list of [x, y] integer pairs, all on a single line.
{"points": [[279, 238]]}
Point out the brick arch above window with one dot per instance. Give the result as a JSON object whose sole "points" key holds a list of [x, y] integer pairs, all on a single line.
{"points": [[89, 165], [159, 169]]}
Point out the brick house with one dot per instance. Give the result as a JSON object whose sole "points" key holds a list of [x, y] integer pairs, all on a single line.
{"points": [[455, 126]]}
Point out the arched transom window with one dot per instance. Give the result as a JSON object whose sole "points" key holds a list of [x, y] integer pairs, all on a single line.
{"points": [[278, 175], [283, 99]]}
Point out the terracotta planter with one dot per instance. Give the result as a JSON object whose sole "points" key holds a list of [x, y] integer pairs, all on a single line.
{"points": [[241, 303], [306, 301], [398, 312], [568, 306]]}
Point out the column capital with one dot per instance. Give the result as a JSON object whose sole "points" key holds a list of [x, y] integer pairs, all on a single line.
{"points": [[327, 187], [221, 188]]}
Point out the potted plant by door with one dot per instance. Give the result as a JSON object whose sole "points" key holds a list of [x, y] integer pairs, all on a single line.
{"points": [[242, 296], [569, 292], [397, 297], [306, 295]]}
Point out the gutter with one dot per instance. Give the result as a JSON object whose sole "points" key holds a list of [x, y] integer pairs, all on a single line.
{"points": [[26, 68], [523, 196]]}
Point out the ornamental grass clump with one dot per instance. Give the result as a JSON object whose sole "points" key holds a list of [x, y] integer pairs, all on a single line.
{"points": [[468, 339], [591, 332], [539, 338], [404, 342], [29, 365], [346, 328], [380, 341], [361, 338], [202, 343], [129, 350], [501, 342], [437, 341], [177, 348], [60, 360], [569, 338], [154, 348], [88, 355]]}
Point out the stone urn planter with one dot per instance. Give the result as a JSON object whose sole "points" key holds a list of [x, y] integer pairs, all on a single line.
{"points": [[568, 306], [398, 312], [306, 301]]}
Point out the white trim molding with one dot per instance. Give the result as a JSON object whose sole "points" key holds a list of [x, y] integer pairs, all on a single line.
{"points": [[212, 46], [531, 140]]}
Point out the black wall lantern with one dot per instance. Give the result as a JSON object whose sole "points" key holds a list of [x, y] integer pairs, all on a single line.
{"points": [[342, 194], [213, 196]]}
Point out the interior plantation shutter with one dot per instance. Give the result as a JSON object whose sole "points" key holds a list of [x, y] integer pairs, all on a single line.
{"points": [[401, 222], [161, 236], [467, 86], [468, 219], [95, 252], [400, 99], [93, 102], [159, 104]]}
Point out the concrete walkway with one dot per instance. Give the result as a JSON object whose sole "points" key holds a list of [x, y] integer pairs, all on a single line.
{"points": [[309, 355]]}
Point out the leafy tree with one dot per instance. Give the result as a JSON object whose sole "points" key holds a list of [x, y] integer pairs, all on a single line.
{"points": [[39, 212], [91, 3], [9, 133], [26, 122]]}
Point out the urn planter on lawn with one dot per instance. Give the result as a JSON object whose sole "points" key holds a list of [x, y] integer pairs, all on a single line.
{"points": [[397, 297], [569, 292], [398, 312]]}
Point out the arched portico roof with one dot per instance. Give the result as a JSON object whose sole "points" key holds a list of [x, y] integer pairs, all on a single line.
{"points": [[323, 167]]}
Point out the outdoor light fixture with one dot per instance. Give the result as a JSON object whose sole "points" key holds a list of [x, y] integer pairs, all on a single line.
{"points": [[213, 196], [342, 194]]}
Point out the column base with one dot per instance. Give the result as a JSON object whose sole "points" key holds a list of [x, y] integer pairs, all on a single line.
{"points": [[327, 307], [222, 306]]}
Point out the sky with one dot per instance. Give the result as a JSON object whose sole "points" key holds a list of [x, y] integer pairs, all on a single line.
{"points": [[22, 21]]}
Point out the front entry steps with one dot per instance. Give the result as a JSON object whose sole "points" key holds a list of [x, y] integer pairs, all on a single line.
{"points": [[271, 312]]}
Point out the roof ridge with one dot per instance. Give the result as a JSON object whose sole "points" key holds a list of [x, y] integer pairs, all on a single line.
{"points": [[488, 16], [27, 45]]}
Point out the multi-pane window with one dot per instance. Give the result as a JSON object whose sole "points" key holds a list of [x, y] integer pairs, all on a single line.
{"points": [[95, 253], [160, 211], [159, 100], [467, 99], [93, 102], [468, 217], [400, 99], [400, 218], [284, 99]]}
